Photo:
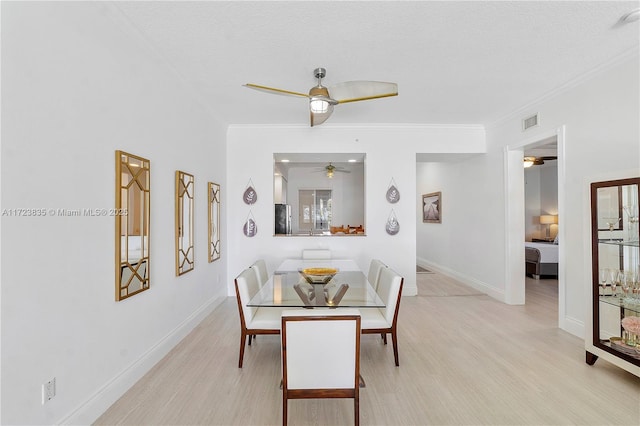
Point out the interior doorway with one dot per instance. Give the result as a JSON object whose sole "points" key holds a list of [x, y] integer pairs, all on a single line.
{"points": [[521, 218]]}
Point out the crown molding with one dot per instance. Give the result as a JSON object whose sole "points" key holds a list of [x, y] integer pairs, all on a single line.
{"points": [[628, 55], [392, 126]]}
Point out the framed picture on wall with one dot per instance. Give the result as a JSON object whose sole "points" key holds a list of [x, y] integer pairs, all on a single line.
{"points": [[432, 207]]}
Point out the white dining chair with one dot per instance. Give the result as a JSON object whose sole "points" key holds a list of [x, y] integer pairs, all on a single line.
{"points": [[374, 272], [316, 254], [262, 273], [385, 320], [320, 356], [253, 321]]}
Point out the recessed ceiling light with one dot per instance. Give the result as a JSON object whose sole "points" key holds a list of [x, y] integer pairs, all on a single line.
{"points": [[284, 160], [352, 160]]}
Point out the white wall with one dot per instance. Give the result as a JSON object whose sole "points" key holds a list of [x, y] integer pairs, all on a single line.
{"points": [[466, 244], [76, 86], [391, 153], [480, 239], [599, 124]]}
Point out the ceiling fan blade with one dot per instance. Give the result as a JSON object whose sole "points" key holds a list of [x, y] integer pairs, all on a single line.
{"points": [[318, 118], [353, 91], [275, 91]]}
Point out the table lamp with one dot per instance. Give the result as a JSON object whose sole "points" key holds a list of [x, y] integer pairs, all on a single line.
{"points": [[547, 219]]}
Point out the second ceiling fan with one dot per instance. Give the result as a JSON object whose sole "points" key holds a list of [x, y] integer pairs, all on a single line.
{"points": [[322, 99], [537, 161]]}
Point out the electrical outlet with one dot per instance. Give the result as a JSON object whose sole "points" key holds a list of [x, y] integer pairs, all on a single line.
{"points": [[48, 390]]}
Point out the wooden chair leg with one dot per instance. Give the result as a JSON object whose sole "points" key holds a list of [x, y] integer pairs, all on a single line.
{"points": [[250, 337], [242, 340], [384, 337], [356, 409], [284, 410], [394, 339]]}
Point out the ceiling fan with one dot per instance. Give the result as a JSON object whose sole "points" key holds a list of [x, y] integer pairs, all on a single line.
{"points": [[537, 161], [322, 99], [330, 169]]}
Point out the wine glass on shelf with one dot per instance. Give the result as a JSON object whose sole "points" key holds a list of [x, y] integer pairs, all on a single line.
{"points": [[613, 279], [632, 213], [611, 223], [635, 288], [604, 276], [627, 284], [617, 276], [631, 278]]}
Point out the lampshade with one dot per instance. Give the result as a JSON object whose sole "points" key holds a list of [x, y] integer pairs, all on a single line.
{"points": [[547, 219]]}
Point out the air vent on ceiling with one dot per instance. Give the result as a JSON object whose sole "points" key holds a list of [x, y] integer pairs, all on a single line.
{"points": [[530, 122]]}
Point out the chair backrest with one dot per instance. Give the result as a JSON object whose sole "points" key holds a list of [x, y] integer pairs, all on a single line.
{"points": [[246, 287], [260, 267], [316, 254], [390, 291], [320, 349], [374, 272]]}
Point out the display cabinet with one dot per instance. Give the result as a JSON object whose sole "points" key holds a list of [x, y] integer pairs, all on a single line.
{"points": [[615, 273]]}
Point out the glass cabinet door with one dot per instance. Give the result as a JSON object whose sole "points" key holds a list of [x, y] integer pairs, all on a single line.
{"points": [[616, 268]]}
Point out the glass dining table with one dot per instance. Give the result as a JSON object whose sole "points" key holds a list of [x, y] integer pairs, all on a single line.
{"points": [[344, 287]]}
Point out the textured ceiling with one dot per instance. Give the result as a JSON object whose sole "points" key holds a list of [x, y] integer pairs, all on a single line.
{"points": [[455, 62]]}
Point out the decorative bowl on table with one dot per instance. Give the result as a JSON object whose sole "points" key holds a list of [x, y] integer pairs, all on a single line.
{"points": [[318, 275]]}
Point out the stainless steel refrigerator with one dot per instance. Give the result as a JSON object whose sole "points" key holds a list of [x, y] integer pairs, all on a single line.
{"points": [[283, 219]]}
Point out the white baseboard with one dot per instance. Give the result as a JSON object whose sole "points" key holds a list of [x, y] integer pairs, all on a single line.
{"points": [[465, 279], [573, 326], [95, 405], [568, 324]]}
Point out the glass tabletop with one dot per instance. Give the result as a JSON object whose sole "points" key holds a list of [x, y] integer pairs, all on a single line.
{"points": [[291, 289]]}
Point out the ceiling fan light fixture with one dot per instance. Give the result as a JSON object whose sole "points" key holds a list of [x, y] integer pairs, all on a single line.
{"points": [[321, 103], [528, 162], [329, 174], [318, 106]]}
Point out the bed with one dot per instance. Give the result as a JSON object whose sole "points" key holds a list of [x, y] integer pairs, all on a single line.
{"points": [[541, 259]]}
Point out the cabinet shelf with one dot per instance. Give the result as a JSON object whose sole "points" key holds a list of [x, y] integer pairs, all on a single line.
{"points": [[618, 242], [617, 301]]}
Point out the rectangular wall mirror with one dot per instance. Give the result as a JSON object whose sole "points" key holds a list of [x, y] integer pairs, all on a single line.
{"points": [[132, 229], [184, 222], [319, 194], [214, 221]]}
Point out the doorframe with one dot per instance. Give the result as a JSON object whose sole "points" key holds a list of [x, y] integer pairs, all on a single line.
{"points": [[514, 215]]}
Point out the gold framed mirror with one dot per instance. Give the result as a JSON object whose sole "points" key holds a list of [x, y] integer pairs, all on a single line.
{"points": [[133, 177], [214, 221], [184, 222]]}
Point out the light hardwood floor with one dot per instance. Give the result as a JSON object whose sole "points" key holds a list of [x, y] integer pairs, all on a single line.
{"points": [[465, 359]]}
